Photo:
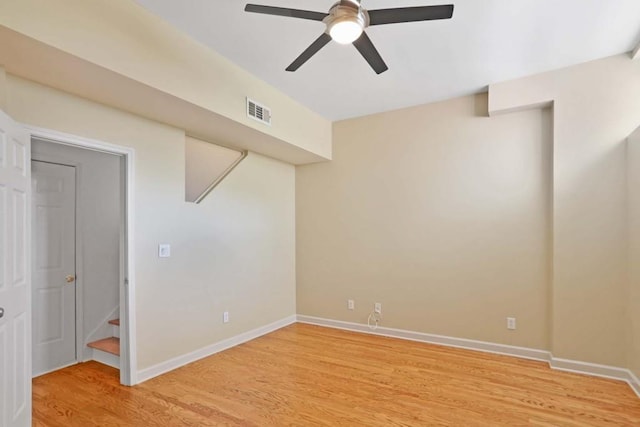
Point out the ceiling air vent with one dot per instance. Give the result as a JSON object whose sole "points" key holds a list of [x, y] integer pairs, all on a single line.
{"points": [[258, 112]]}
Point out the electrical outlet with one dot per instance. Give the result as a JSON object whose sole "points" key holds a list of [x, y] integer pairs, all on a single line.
{"points": [[378, 308], [164, 250], [511, 323], [351, 304], [225, 317]]}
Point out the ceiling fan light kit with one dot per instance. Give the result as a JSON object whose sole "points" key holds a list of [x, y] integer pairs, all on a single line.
{"points": [[346, 21], [345, 32]]}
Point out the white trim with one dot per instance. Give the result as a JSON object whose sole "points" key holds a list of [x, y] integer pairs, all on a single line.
{"points": [[487, 347], [129, 358], [39, 374], [176, 362], [557, 363], [594, 369], [634, 382], [597, 370], [77, 141], [129, 368], [105, 358]]}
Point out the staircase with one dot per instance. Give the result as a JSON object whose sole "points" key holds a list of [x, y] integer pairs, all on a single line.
{"points": [[107, 350]]}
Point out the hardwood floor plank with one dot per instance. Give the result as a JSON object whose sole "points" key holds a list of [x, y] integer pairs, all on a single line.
{"points": [[309, 375]]}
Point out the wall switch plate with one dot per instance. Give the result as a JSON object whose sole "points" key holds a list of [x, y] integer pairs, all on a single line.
{"points": [[511, 323], [378, 308], [351, 304], [164, 250], [225, 317]]}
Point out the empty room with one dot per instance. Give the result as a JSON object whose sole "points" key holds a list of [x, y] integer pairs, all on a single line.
{"points": [[351, 213]]}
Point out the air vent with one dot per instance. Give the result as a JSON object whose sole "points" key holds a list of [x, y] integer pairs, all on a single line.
{"points": [[258, 112]]}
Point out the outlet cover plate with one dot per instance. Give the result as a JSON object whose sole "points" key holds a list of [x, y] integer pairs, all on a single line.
{"points": [[164, 250]]}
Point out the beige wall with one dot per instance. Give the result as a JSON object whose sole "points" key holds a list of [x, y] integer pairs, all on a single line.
{"points": [[439, 213], [234, 252], [121, 36], [430, 211], [595, 108], [633, 162]]}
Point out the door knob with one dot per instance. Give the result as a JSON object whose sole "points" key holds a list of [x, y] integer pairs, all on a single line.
{"points": [[70, 278], [1, 312]]}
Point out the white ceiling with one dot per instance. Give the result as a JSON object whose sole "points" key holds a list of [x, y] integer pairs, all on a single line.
{"points": [[487, 41]]}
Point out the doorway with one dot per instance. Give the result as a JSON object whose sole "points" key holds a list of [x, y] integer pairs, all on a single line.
{"points": [[89, 252]]}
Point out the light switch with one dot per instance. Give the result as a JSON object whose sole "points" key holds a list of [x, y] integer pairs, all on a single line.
{"points": [[164, 250]]}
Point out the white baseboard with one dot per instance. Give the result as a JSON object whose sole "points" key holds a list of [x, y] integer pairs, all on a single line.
{"points": [[487, 347], [35, 375], [171, 364], [593, 369], [634, 382], [105, 358]]}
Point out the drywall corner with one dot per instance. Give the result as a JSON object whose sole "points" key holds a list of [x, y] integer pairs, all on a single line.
{"points": [[633, 222], [3, 89]]}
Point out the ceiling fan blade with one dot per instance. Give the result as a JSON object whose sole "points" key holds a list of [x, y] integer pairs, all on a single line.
{"points": [[410, 14], [283, 11], [370, 53], [310, 51]]}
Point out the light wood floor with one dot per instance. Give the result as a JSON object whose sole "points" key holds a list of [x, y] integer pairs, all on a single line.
{"points": [[306, 375]]}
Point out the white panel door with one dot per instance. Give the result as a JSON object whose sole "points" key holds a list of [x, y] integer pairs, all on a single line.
{"points": [[15, 275], [53, 294]]}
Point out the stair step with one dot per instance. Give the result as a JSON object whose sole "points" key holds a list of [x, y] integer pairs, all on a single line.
{"points": [[110, 345], [115, 322]]}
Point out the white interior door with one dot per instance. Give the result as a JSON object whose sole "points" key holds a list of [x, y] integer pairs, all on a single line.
{"points": [[15, 276], [54, 271]]}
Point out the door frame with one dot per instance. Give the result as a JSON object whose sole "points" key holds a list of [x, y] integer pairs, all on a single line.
{"points": [[128, 348]]}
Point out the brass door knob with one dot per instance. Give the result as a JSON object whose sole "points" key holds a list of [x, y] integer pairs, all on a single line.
{"points": [[70, 278]]}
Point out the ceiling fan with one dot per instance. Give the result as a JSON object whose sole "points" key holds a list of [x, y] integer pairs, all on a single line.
{"points": [[346, 22]]}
